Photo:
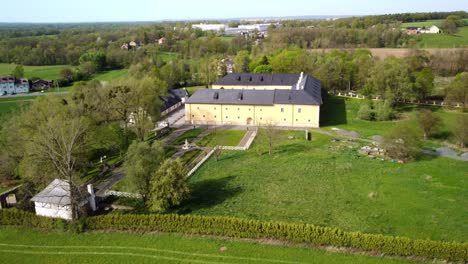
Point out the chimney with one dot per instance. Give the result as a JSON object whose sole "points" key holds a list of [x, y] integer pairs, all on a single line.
{"points": [[298, 85], [92, 197]]}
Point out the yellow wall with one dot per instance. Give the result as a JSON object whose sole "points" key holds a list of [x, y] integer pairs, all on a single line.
{"points": [[253, 87], [279, 115]]}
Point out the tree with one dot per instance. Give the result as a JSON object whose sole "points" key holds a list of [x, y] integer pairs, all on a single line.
{"points": [[402, 143], [268, 136], [460, 130], [169, 186], [457, 91], [55, 146], [451, 23], [66, 74], [97, 59], [263, 69], [242, 61], [142, 161], [18, 72], [424, 82], [428, 122]]}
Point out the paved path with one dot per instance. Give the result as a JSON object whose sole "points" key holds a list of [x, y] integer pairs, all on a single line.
{"points": [[32, 94], [101, 188], [246, 138]]}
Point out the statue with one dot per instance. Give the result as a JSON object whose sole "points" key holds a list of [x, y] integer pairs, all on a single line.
{"points": [[186, 145]]}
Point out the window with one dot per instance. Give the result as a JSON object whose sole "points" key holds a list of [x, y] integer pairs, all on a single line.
{"points": [[298, 120], [226, 117], [282, 110], [214, 116], [226, 108], [285, 119], [309, 120], [215, 108], [203, 115], [193, 115], [249, 109], [238, 109], [260, 109], [238, 117], [261, 118], [299, 110], [198, 107]]}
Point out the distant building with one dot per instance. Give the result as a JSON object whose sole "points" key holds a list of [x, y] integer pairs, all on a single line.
{"points": [[289, 100], [412, 30], [40, 85], [432, 30], [162, 41], [55, 200], [11, 85], [210, 27]]}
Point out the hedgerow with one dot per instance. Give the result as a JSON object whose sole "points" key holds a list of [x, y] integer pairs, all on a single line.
{"points": [[243, 228]]}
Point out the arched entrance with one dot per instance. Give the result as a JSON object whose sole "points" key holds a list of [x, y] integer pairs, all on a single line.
{"points": [[249, 121]]}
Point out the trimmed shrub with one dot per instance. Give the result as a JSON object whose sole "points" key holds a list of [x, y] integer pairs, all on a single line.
{"points": [[365, 112], [243, 228]]}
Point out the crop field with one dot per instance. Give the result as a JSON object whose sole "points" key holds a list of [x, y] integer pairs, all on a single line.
{"points": [[49, 72], [28, 246]]}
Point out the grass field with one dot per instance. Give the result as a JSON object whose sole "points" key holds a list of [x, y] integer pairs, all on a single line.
{"points": [[325, 183], [457, 40], [222, 138], [27, 246], [44, 72], [190, 135], [427, 23], [11, 104], [111, 75], [342, 113]]}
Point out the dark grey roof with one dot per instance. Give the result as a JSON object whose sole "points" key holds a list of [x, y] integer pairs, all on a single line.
{"points": [[308, 92], [57, 192], [174, 97], [232, 96], [258, 79]]}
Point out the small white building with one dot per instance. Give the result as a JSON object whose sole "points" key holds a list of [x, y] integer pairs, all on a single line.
{"points": [[210, 27], [54, 201], [432, 30]]}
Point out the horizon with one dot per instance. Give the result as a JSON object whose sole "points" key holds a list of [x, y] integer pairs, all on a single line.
{"points": [[88, 11]]}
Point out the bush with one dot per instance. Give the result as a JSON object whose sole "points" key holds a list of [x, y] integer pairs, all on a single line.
{"points": [[384, 111], [243, 228], [365, 112]]}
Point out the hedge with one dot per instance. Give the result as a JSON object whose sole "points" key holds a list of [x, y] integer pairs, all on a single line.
{"points": [[242, 228]]}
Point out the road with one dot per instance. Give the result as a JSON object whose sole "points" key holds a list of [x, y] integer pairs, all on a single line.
{"points": [[32, 94], [108, 183]]}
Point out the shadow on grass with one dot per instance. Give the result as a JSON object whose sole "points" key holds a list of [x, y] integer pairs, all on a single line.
{"points": [[333, 111], [209, 193]]}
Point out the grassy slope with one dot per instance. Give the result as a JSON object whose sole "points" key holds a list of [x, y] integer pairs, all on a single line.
{"points": [[222, 138], [189, 135], [157, 248], [110, 75], [44, 72], [458, 40], [342, 113], [326, 183]]}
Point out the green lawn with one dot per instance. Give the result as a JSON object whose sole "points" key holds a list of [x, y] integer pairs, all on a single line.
{"points": [[189, 135], [325, 183], [28, 246], [427, 23], [49, 72], [457, 40], [111, 75], [222, 138], [342, 113], [167, 56]]}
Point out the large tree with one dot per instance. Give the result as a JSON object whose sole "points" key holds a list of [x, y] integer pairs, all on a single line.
{"points": [[18, 71], [402, 143], [457, 91], [428, 122], [460, 130], [169, 185], [142, 161]]}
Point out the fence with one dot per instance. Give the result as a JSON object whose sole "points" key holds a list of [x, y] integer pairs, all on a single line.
{"points": [[122, 194]]}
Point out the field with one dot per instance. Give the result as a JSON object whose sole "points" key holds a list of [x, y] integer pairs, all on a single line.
{"points": [[10, 104], [427, 23], [328, 183], [110, 75], [342, 113], [44, 72], [28, 246], [458, 40]]}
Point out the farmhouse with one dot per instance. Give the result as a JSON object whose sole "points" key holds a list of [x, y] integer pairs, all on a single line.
{"points": [[39, 85], [432, 30], [12, 85], [290, 100], [54, 200]]}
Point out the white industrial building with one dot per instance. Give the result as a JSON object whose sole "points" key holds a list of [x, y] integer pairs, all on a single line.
{"points": [[12, 85], [210, 27], [54, 201]]}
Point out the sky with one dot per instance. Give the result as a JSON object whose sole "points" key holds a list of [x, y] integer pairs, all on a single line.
{"points": [[155, 10]]}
